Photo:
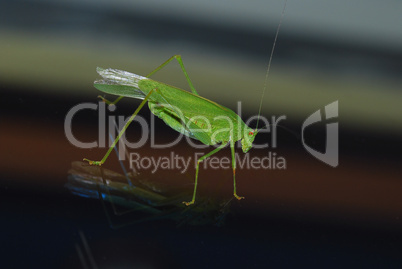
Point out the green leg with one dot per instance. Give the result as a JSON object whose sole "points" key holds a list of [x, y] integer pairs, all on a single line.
{"points": [[110, 102], [178, 58], [196, 171], [234, 170], [121, 132]]}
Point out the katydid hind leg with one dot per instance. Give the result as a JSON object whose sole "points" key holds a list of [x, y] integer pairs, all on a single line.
{"points": [[197, 168], [179, 60], [99, 163]]}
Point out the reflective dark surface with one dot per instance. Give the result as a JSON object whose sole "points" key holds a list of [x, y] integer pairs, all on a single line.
{"points": [[308, 215]]}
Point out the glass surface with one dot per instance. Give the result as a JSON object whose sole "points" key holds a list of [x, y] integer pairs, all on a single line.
{"points": [[335, 70]]}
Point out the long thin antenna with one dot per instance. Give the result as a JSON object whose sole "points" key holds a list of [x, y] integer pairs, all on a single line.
{"points": [[269, 63]]}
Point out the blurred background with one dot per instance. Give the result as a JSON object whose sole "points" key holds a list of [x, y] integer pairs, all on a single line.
{"points": [[309, 214]]}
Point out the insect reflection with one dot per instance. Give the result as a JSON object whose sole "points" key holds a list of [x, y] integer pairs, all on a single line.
{"points": [[140, 198]]}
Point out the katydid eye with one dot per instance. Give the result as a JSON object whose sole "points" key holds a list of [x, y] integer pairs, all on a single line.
{"points": [[250, 133]]}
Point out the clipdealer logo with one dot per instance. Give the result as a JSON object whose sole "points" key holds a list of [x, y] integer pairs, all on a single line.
{"points": [[330, 112], [330, 156]]}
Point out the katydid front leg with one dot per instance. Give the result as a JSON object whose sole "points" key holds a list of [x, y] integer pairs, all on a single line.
{"points": [[232, 149], [208, 155], [196, 171]]}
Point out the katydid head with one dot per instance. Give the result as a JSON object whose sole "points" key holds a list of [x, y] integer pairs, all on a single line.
{"points": [[248, 138]]}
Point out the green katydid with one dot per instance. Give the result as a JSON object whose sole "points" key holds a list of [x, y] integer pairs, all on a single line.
{"points": [[186, 112]]}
